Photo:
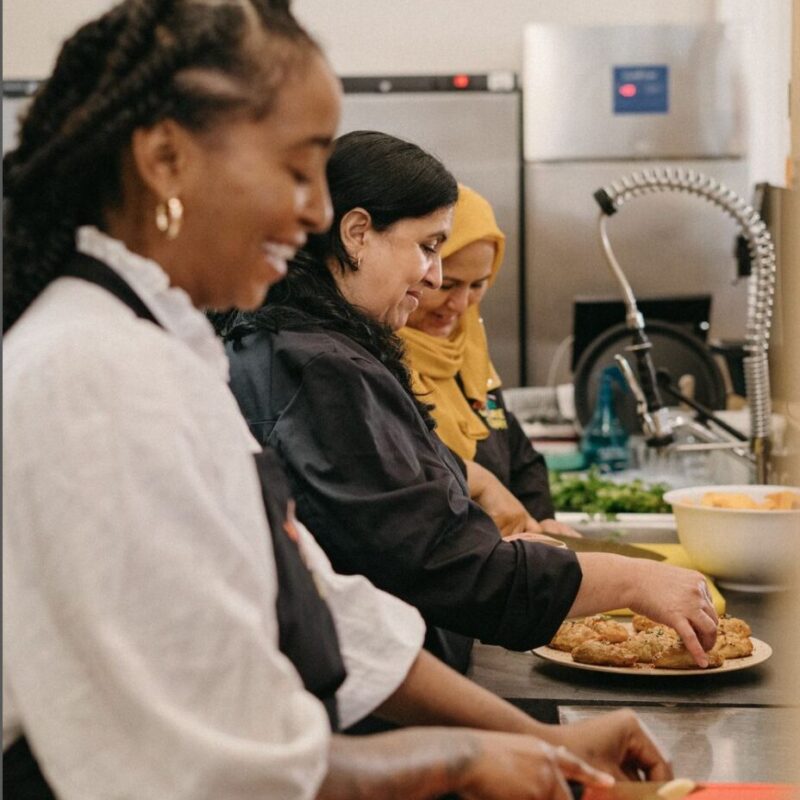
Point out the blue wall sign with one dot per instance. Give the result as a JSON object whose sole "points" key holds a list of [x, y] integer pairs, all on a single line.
{"points": [[641, 89]]}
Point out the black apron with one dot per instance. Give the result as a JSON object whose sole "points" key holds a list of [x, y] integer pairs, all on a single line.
{"points": [[307, 634]]}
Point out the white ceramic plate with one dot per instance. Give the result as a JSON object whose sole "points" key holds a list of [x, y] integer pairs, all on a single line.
{"points": [[761, 652]]}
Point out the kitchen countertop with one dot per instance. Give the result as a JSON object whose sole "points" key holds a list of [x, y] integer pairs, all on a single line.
{"points": [[716, 744], [526, 676], [739, 730]]}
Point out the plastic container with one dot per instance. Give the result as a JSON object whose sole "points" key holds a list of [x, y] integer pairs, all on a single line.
{"points": [[605, 440]]}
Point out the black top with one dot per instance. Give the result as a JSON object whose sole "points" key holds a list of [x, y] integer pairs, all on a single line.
{"points": [[306, 630], [384, 497], [507, 452]]}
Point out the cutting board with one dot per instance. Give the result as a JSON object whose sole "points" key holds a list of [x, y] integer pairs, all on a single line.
{"points": [[707, 791]]}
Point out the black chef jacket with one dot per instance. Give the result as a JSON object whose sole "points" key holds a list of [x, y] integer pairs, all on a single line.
{"points": [[508, 454], [384, 497]]}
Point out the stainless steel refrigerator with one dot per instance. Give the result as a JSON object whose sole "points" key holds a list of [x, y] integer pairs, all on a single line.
{"points": [[599, 104], [473, 124]]}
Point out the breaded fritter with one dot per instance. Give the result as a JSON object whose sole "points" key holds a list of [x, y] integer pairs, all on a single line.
{"points": [[678, 657], [572, 633], [642, 623], [734, 625], [608, 630], [603, 654], [647, 645], [731, 646], [601, 641]]}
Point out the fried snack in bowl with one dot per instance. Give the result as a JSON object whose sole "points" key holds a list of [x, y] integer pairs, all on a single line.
{"points": [[743, 535], [784, 501], [773, 501]]}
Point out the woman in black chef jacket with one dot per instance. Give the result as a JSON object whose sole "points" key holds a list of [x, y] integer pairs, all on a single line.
{"points": [[319, 375], [160, 638]]}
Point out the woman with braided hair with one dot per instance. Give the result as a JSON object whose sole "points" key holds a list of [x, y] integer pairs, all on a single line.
{"points": [[170, 630]]}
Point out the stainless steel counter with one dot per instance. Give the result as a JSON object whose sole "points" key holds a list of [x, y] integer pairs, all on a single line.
{"points": [[719, 727], [720, 745], [524, 675]]}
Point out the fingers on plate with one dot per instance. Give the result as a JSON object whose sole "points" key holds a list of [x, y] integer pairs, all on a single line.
{"points": [[601, 641]]}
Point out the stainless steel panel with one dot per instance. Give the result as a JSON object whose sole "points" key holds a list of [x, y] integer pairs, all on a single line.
{"points": [[667, 244], [569, 93], [477, 136], [726, 745]]}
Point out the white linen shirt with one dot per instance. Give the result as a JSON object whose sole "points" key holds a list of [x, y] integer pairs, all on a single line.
{"points": [[140, 652]]}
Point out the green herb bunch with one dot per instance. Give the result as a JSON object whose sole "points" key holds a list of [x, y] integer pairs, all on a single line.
{"points": [[593, 494]]}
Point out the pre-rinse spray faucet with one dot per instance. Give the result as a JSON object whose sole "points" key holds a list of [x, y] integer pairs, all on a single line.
{"points": [[652, 412]]}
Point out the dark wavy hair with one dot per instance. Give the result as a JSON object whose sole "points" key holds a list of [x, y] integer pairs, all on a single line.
{"points": [[141, 62], [393, 180]]}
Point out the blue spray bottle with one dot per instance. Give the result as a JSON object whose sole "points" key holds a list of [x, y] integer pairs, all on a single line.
{"points": [[605, 441]]}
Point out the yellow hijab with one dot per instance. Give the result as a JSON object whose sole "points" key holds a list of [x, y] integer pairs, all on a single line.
{"points": [[436, 361]]}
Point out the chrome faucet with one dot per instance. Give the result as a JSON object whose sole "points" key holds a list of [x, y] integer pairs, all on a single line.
{"points": [[653, 414]]}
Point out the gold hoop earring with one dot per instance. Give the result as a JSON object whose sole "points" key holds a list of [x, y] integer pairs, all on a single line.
{"points": [[169, 217]]}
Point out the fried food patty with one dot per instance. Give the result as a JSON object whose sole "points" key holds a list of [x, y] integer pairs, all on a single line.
{"points": [[649, 644], [606, 628], [733, 625], [732, 646], [643, 623], [601, 641], [572, 633], [603, 654], [678, 657]]}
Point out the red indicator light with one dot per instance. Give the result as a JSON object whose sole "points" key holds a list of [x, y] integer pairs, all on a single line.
{"points": [[628, 90], [461, 81]]}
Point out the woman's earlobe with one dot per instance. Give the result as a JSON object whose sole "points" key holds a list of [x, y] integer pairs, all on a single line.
{"points": [[354, 229], [159, 157]]}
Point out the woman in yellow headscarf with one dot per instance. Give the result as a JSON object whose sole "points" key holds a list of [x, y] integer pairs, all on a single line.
{"points": [[447, 351]]}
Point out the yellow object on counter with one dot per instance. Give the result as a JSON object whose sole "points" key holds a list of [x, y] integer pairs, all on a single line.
{"points": [[676, 555]]}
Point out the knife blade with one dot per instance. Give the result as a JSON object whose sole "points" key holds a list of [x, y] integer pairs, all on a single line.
{"points": [[586, 545]]}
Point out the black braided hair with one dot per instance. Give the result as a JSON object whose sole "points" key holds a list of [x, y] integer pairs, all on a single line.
{"points": [[141, 62], [393, 180]]}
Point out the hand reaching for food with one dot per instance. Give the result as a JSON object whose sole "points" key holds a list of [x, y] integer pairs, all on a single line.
{"points": [[679, 598], [674, 596]]}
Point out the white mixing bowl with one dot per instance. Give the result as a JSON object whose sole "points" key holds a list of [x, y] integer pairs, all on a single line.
{"points": [[746, 549]]}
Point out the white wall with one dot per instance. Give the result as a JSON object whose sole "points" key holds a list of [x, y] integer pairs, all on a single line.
{"points": [[369, 36], [419, 36], [34, 29], [428, 36]]}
